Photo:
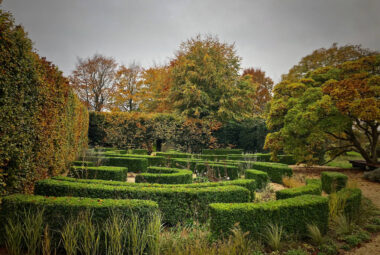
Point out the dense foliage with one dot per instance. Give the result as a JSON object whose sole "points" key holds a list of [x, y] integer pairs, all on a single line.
{"points": [[334, 109], [43, 125]]}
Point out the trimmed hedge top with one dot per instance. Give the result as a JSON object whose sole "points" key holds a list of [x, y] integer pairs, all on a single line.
{"points": [[177, 203], [261, 177], [174, 154], [221, 151], [333, 181], [293, 214], [312, 187], [275, 171], [99, 172], [165, 175]]}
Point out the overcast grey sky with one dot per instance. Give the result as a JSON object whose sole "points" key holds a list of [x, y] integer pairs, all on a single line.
{"points": [[270, 34]]}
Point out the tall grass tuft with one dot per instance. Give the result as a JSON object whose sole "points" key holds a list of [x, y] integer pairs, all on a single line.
{"points": [[344, 225], [89, 235], [70, 237], [136, 236], [273, 236], [336, 205], [115, 234], [33, 228], [238, 242], [315, 234], [46, 242], [153, 232], [292, 182], [13, 236]]}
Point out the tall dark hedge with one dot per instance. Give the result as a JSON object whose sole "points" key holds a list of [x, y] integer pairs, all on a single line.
{"points": [[248, 134], [43, 125]]}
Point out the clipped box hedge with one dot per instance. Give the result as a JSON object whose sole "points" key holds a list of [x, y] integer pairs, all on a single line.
{"points": [[173, 154], [99, 172], [135, 165], [139, 151], [57, 210], [351, 198], [83, 163], [178, 204], [293, 214], [245, 183], [221, 151], [275, 171], [189, 164], [312, 187], [213, 157], [165, 175], [262, 157], [219, 170], [333, 181], [261, 177]]}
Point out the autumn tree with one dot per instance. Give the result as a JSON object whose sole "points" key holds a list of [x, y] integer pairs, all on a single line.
{"points": [[94, 81], [156, 87], [264, 86], [322, 57], [128, 89], [334, 109], [206, 81]]}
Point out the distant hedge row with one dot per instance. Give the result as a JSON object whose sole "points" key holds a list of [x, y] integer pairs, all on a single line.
{"points": [[43, 124], [275, 171], [177, 203], [312, 187], [99, 172], [165, 175]]}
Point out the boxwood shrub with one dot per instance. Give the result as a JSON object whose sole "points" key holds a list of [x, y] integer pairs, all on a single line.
{"points": [[99, 172], [275, 171], [293, 214], [219, 170], [261, 177], [83, 163], [262, 157], [135, 165], [312, 187], [174, 154], [351, 199], [178, 204], [213, 157], [57, 210], [189, 164], [165, 175], [152, 160], [245, 183], [139, 151], [333, 181], [221, 151]]}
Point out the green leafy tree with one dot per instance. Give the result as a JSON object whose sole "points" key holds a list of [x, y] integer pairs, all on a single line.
{"points": [[206, 81], [322, 57], [334, 109]]}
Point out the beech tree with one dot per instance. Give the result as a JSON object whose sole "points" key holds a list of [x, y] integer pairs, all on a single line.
{"points": [[322, 57], [264, 86], [93, 80], [334, 109], [128, 89], [206, 81]]}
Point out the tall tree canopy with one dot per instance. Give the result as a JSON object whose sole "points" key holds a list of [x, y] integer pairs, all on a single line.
{"points": [[334, 109], [128, 85], [264, 86], [93, 81], [322, 57], [206, 81]]}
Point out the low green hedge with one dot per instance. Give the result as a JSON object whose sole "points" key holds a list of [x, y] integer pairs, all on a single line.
{"points": [[293, 214], [189, 164], [57, 210], [152, 160], [213, 157], [173, 154], [139, 151], [178, 204], [333, 181], [165, 175], [99, 172], [261, 177], [312, 187], [221, 151], [351, 199], [275, 171], [245, 183], [218, 170], [83, 163], [262, 157], [135, 165]]}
